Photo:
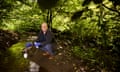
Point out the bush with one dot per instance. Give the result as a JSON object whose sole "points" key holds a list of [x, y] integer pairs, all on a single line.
{"points": [[94, 57]]}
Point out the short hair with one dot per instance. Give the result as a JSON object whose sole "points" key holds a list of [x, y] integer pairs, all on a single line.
{"points": [[44, 23]]}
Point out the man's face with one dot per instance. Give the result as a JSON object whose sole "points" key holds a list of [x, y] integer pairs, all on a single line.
{"points": [[44, 27]]}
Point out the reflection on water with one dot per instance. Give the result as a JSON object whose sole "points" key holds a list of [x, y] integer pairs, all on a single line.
{"points": [[33, 67]]}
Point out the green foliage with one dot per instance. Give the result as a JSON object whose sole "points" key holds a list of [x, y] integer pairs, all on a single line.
{"points": [[23, 18], [94, 25], [5, 8], [84, 53], [96, 57]]}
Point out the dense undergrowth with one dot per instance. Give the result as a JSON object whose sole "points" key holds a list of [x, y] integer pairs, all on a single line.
{"points": [[94, 55]]}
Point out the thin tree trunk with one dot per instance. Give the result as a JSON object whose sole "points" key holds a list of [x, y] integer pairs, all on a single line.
{"points": [[103, 26], [49, 18]]}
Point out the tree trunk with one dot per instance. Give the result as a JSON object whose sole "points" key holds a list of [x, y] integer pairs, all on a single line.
{"points": [[49, 19]]}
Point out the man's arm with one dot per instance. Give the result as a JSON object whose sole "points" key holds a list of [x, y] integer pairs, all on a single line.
{"points": [[38, 38]]}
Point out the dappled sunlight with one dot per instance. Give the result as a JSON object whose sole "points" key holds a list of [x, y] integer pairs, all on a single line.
{"points": [[86, 35]]}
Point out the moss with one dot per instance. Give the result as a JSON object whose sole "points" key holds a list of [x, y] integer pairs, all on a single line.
{"points": [[13, 59]]}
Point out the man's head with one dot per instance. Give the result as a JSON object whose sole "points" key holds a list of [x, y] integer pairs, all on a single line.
{"points": [[44, 27]]}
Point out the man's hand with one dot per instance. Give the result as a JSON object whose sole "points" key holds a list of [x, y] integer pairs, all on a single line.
{"points": [[37, 44]]}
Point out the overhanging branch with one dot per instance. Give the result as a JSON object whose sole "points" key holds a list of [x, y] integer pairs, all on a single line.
{"points": [[114, 10]]}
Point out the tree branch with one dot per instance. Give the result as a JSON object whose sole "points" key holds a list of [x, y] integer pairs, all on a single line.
{"points": [[114, 10]]}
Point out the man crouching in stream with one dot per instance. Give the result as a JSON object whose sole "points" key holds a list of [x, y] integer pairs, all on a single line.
{"points": [[44, 41]]}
